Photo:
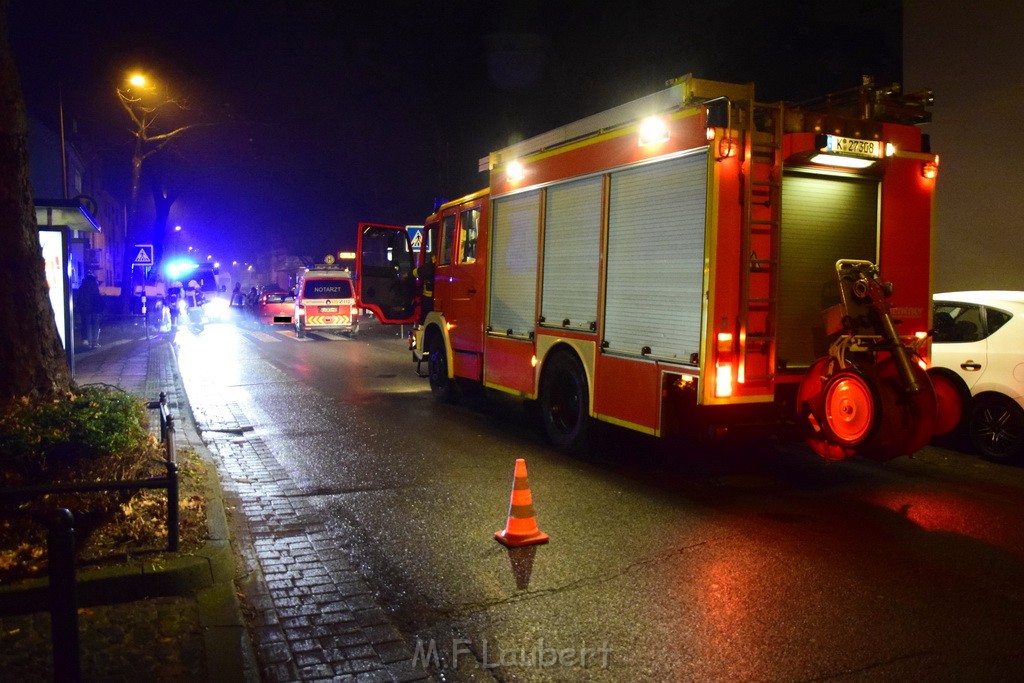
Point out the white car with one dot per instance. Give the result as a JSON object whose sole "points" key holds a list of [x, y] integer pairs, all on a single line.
{"points": [[979, 336]]}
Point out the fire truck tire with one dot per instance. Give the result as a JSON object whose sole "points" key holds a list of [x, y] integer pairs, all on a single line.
{"points": [[996, 428], [441, 385], [565, 404]]}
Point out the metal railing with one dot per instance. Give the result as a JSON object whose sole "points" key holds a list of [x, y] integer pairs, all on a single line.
{"points": [[60, 544], [169, 481]]}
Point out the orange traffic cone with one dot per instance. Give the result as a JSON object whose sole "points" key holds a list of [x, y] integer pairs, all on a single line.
{"points": [[521, 528]]}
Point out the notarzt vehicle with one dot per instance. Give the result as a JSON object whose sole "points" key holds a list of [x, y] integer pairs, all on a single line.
{"points": [[694, 262], [325, 302]]}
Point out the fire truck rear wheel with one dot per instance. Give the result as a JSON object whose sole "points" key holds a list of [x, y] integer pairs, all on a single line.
{"points": [[565, 404], [441, 385]]}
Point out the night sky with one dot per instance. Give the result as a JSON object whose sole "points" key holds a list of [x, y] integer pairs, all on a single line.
{"points": [[327, 113]]}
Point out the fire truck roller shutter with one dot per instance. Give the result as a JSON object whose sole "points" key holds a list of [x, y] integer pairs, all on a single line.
{"points": [[824, 219], [656, 236], [572, 247], [515, 228]]}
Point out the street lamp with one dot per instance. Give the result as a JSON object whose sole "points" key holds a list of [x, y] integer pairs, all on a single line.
{"points": [[145, 100]]}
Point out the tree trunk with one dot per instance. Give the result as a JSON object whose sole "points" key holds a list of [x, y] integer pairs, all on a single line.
{"points": [[162, 203], [32, 361], [132, 233]]}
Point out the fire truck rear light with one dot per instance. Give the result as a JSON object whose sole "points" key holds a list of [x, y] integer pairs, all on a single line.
{"points": [[723, 381], [725, 342], [930, 169], [726, 148], [652, 131]]}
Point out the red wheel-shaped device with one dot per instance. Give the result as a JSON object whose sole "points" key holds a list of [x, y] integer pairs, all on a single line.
{"points": [[850, 408]]}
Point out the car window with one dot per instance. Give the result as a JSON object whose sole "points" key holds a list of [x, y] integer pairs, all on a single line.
{"points": [[995, 319], [327, 289], [280, 298], [957, 322]]}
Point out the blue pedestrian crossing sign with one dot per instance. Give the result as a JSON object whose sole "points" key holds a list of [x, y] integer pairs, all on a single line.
{"points": [[143, 256], [416, 237]]}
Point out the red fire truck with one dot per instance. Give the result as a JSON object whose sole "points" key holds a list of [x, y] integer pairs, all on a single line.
{"points": [[693, 261]]}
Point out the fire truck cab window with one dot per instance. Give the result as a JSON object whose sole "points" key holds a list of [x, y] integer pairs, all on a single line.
{"points": [[444, 256], [467, 236]]}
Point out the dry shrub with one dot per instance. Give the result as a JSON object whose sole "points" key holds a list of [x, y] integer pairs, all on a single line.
{"points": [[97, 434]]}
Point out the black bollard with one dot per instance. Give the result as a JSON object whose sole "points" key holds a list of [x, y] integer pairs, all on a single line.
{"points": [[60, 547], [172, 507]]}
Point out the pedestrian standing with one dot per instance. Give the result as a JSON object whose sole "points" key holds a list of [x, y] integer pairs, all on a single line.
{"points": [[90, 305]]}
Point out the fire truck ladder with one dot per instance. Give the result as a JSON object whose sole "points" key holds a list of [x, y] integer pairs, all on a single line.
{"points": [[762, 208]]}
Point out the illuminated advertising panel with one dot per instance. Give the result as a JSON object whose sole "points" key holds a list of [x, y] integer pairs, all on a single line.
{"points": [[54, 242]]}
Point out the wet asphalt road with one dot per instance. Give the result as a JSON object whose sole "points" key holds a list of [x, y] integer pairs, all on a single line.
{"points": [[665, 562]]}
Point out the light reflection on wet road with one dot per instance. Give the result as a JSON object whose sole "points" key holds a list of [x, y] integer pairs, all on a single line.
{"points": [[760, 564]]}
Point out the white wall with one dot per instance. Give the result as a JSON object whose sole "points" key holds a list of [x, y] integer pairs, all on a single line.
{"points": [[972, 55]]}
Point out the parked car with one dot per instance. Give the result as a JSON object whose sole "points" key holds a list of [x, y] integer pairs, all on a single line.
{"points": [[274, 308], [979, 337]]}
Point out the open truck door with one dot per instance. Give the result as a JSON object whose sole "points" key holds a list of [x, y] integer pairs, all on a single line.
{"points": [[385, 283]]}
